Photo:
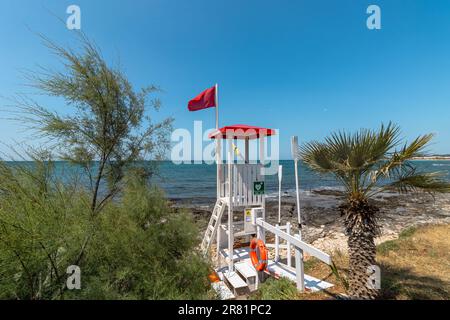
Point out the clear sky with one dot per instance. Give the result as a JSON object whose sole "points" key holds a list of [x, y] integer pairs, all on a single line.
{"points": [[305, 67]]}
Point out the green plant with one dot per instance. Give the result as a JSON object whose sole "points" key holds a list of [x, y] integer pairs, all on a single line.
{"points": [[366, 163], [139, 248], [272, 289], [128, 243], [408, 232], [110, 129]]}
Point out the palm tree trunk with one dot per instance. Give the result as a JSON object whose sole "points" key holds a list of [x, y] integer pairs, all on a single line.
{"points": [[362, 253], [360, 220]]}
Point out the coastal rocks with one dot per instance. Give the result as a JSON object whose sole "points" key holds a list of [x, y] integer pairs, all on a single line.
{"points": [[323, 225]]}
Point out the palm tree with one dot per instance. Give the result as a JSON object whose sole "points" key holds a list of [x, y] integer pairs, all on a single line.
{"points": [[365, 163]]}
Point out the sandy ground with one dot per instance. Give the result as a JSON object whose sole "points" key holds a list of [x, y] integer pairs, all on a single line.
{"points": [[323, 225]]}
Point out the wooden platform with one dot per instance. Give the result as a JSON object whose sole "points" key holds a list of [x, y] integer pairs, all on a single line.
{"points": [[277, 270]]}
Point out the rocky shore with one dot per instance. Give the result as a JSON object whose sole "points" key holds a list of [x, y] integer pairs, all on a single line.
{"points": [[323, 225]]}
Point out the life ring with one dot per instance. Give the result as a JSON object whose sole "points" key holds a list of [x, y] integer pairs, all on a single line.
{"points": [[259, 262]]}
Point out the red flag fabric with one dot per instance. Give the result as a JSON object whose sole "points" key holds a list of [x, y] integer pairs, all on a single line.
{"points": [[206, 99]]}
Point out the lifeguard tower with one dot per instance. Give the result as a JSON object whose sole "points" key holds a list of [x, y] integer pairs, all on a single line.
{"points": [[241, 188]]}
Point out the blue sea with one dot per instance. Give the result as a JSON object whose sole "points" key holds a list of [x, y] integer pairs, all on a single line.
{"points": [[196, 183]]}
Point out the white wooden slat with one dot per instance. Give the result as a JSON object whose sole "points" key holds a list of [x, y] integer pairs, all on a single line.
{"points": [[241, 184], [249, 187], [288, 244], [260, 178], [252, 179], [238, 184], [255, 178], [322, 256], [242, 178], [235, 181], [299, 268], [245, 182], [225, 179]]}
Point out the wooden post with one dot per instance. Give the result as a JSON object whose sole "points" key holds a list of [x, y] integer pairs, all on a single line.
{"points": [[277, 244], [280, 177], [230, 207], [261, 154], [295, 155], [247, 151], [299, 268], [262, 173], [219, 165], [288, 245]]}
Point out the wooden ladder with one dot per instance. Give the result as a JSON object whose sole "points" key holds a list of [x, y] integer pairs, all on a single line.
{"points": [[213, 224]]}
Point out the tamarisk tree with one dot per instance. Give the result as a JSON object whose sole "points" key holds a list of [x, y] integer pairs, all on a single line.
{"points": [[110, 129]]}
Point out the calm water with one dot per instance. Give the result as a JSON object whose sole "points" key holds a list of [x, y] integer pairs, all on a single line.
{"points": [[198, 182]]}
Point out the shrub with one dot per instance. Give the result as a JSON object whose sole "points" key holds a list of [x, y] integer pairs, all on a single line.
{"points": [[137, 247], [272, 289]]}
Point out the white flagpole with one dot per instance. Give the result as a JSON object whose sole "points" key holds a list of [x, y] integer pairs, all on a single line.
{"points": [[217, 105], [218, 164], [294, 147]]}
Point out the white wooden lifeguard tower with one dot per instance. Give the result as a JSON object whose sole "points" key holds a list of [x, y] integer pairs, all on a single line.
{"points": [[241, 186]]}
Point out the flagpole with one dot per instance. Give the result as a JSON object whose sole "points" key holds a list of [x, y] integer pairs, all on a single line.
{"points": [[217, 139], [217, 105]]}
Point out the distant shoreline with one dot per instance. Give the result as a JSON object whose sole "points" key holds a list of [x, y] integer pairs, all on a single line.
{"points": [[433, 158]]}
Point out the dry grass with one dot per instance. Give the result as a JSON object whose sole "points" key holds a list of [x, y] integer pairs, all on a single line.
{"points": [[414, 266], [417, 265]]}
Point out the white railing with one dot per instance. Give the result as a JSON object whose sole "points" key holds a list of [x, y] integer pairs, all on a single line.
{"points": [[243, 177], [292, 241]]}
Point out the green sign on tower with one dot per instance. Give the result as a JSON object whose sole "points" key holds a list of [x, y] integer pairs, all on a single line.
{"points": [[258, 187]]}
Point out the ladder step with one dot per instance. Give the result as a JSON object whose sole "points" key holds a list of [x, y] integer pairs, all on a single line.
{"points": [[212, 225]]}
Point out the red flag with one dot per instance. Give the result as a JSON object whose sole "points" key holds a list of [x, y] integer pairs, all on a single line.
{"points": [[206, 99]]}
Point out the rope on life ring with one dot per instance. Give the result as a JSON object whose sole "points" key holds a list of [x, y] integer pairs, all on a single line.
{"points": [[258, 261]]}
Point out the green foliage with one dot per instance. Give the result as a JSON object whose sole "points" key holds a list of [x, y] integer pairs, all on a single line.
{"points": [[408, 232], [391, 245], [122, 234], [310, 264], [273, 289], [41, 223], [111, 123], [138, 248], [366, 161], [387, 246]]}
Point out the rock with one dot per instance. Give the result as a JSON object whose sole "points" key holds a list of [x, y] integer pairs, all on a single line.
{"points": [[323, 223]]}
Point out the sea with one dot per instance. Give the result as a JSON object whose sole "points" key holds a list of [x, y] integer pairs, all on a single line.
{"points": [[196, 183]]}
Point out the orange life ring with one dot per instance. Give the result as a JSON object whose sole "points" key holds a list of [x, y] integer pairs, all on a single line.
{"points": [[259, 262]]}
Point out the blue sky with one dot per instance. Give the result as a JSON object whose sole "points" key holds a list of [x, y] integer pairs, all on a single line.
{"points": [[304, 67]]}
